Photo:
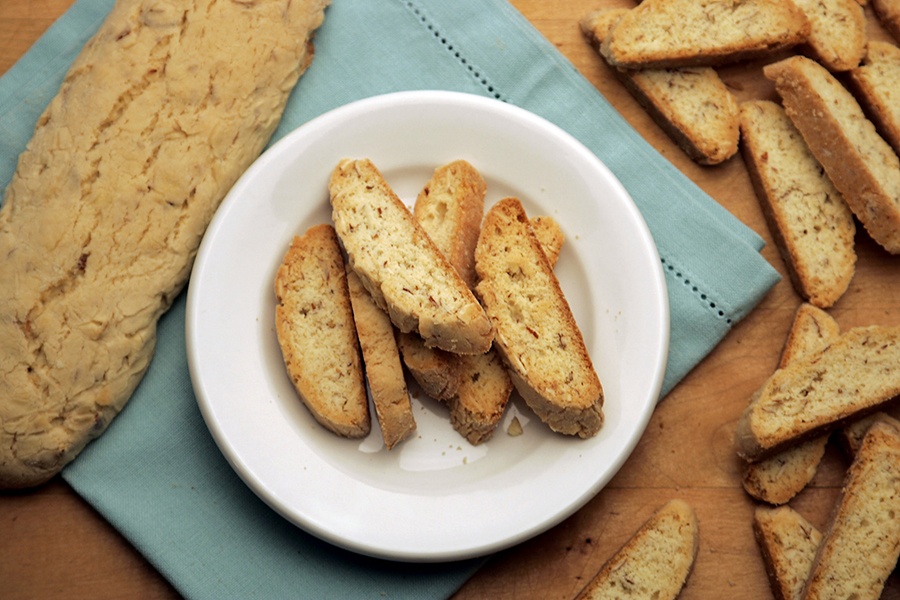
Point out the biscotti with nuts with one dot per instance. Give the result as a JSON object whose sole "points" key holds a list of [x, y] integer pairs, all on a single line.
{"points": [[862, 166], [536, 333], [788, 545], [400, 266], [655, 562], [691, 104], [876, 84], [857, 374], [689, 33], [812, 226], [837, 37], [104, 214], [316, 332]]}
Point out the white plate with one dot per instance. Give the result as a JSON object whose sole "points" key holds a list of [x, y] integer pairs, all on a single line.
{"points": [[435, 496]]}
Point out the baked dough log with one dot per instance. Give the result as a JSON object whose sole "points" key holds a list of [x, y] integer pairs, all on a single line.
{"points": [[855, 375], [655, 562], [779, 478], [160, 113], [381, 359], [537, 335], [400, 266], [316, 332]]}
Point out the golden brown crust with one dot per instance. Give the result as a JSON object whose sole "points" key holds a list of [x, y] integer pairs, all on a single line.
{"points": [[888, 13]]}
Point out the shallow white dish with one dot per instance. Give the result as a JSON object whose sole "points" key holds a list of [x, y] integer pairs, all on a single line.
{"points": [[434, 497]]}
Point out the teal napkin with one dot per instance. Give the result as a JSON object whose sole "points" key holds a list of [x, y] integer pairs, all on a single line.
{"points": [[157, 475]]}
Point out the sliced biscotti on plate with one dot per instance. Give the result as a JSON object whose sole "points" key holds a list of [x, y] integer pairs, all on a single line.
{"points": [[315, 330], [682, 33], [782, 476], [888, 14], [400, 266], [536, 333], [383, 369], [837, 37], [655, 562], [876, 84], [788, 545], [862, 166], [812, 226], [857, 374], [861, 543], [691, 104]]}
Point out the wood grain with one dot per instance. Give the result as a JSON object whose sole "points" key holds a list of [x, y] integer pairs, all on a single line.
{"points": [[54, 545]]}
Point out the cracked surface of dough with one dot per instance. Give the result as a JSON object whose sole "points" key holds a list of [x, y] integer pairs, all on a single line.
{"points": [[160, 113]]}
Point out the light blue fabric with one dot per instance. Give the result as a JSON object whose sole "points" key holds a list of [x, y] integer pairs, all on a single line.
{"points": [[156, 474]]}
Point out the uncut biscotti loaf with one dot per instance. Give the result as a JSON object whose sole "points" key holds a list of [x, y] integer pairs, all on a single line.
{"points": [[812, 226], [157, 117], [536, 333], [855, 375], [688, 33], [888, 14], [862, 166], [876, 84], [861, 543], [383, 369], [400, 266], [788, 544], [782, 476], [691, 104], [837, 37], [316, 333], [655, 562]]}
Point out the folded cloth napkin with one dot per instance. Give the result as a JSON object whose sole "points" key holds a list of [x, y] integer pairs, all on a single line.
{"points": [[157, 475]]}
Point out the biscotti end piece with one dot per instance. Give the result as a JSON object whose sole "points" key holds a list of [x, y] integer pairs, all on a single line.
{"points": [[857, 374], [450, 208], [837, 37], [788, 544], [315, 329], [102, 219], [383, 369], [400, 266], [861, 544], [876, 84], [862, 166], [888, 14], [537, 335], [687, 33], [655, 562], [812, 226], [782, 476]]}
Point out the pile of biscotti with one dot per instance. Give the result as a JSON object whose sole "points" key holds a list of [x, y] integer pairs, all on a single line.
{"points": [[464, 301], [821, 156], [829, 384]]}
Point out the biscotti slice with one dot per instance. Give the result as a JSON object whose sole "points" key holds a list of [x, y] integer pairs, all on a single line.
{"points": [[381, 360], [809, 220], [876, 84], [484, 390], [316, 332], [537, 335], [691, 104], [855, 375], [861, 544], [400, 266], [655, 563], [888, 14], [450, 208], [689, 33], [103, 217], [852, 435], [837, 36], [788, 544], [857, 160], [782, 476]]}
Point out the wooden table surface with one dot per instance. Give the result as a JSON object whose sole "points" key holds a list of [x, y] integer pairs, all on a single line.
{"points": [[54, 545]]}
